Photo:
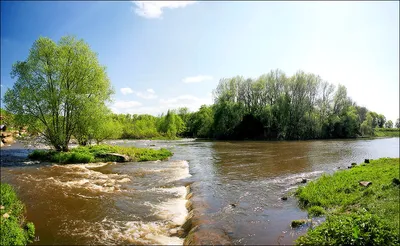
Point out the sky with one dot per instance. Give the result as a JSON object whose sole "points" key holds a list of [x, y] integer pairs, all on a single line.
{"points": [[170, 54]]}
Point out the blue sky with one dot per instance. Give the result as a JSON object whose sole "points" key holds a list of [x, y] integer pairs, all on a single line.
{"points": [[170, 54]]}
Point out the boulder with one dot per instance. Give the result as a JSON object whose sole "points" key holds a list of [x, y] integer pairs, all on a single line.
{"points": [[366, 161], [353, 164], [6, 134], [303, 181], [8, 140], [284, 198], [365, 183]]}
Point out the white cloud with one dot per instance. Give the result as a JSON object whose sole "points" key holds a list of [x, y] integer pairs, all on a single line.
{"points": [[192, 102], [126, 91], [154, 9], [160, 106], [197, 79], [148, 94]]}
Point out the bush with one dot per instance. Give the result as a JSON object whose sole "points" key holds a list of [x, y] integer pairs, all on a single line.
{"points": [[13, 231], [351, 229]]}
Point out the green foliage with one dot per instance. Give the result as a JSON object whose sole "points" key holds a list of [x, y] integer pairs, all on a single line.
{"points": [[389, 124], [361, 228], [88, 154], [316, 211], [14, 229], [387, 132], [345, 199], [59, 87], [302, 106]]}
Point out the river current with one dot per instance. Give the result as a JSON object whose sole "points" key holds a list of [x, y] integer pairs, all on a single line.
{"points": [[240, 184]]}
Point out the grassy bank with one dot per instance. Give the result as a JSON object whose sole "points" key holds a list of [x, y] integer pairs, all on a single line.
{"points": [[355, 214], [100, 153], [387, 132], [14, 229]]}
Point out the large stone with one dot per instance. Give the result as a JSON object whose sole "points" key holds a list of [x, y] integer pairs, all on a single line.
{"points": [[8, 140], [6, 134]]}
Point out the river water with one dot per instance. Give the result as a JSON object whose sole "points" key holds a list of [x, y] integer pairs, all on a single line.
{"points": [[240, 185]]}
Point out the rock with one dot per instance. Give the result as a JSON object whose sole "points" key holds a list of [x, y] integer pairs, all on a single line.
{"points": [[365, 183], [284, 198], [8, 140], [116, 157], [152, 145], [349, 167], [303, 181], [6, 134], [366, 161], [233, 205], [353, 164], [6, 215], [396, 181], [297, 223]]}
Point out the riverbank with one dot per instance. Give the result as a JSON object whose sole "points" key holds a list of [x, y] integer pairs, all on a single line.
{"points": [[14, 229], [361, 205], [387, 132], [101, 153]]}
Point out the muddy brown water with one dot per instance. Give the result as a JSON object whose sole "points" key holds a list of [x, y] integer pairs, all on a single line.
{"points": [[240, 185]]}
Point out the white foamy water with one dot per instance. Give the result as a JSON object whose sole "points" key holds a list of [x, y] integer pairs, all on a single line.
{"points": [[133, 203]]}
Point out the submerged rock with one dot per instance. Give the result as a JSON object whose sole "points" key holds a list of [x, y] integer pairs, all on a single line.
{"points": [[207, 235], [297, 223], [284, 198]]}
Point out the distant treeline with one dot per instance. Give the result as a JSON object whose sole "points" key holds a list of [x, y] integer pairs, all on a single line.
{"points": [[273, 106]]}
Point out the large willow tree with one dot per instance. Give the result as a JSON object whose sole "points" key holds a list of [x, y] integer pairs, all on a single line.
{"points": [[58, 87]]}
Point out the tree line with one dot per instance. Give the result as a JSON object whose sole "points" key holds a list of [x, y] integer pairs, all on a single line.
{"points": [[61, 92]]}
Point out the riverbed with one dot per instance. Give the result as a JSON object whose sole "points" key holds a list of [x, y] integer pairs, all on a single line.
{"points": [[239, 184]]}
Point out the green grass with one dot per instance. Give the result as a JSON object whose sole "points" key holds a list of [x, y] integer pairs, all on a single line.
{"points": [[14, 229], [88, 154], [356, 215], [387, 132]]}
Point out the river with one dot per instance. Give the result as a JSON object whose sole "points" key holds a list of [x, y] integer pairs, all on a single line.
{"points": [[236, 186]]}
